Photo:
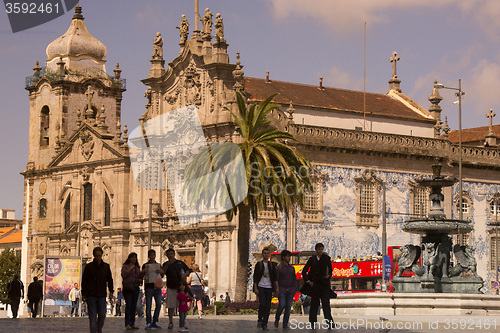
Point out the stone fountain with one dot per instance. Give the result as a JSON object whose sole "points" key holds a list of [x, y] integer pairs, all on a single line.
{"points": [[431, 262]]}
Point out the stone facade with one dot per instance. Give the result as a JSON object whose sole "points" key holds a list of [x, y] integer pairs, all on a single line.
{"points": [[79, 163]]}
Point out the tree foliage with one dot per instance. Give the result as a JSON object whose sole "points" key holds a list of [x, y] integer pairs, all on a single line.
{"points": [[10, 263]]}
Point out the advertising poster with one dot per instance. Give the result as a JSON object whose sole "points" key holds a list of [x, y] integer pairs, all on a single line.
{"points": [[61, 273]]}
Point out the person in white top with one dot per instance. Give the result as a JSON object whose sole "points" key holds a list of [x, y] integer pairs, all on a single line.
{"points": [[74, 297], [196, 282]]}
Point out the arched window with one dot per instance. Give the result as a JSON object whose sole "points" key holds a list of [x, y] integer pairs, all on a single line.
{"points": [[494, 207], [467, 204], [44, 126], [67, 213], [87, 201], [107, 210], [42, 208]]}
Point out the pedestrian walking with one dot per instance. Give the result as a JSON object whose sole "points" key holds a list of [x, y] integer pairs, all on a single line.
{"points": [[152, 272], [206, 294], [183, 299], [227, 299], [118, 302], [96, 275], [74, 297], [287, 285], [317, 273], [35, 294], [15, 291], [264, 282], [196, 282], [176, 272], [132, 278]]}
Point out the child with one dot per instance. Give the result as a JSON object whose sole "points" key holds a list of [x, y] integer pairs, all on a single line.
{"points": [[183, 298]]}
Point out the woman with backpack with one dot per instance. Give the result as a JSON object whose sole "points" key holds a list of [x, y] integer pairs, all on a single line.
{"points": [[196, 282]]}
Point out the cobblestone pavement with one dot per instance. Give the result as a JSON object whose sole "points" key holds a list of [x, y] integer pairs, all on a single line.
{"points": [[247, 323]]}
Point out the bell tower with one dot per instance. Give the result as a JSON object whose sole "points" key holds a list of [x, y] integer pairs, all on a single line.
{"points": [[71, 89], [76, 178]]}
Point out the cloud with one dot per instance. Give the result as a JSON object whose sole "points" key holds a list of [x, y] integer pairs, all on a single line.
{"points": [[485, 13], [482, 87], [339, 14], [337, 77], [152, 15]]}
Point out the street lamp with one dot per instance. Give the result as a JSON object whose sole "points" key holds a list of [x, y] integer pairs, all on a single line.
{"points": [[459, 93], [78, 241]]}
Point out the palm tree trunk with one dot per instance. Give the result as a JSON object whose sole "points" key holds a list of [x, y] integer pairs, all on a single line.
{"points": [[242, 256]]}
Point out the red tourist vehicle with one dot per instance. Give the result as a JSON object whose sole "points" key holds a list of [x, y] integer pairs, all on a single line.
{"points": [[350, 275]]}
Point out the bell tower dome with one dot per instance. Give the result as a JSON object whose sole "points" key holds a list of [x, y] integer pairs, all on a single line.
{"points": [[77, 48]]}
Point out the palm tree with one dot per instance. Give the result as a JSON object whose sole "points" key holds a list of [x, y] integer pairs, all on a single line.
{"points": [[272, 169]]}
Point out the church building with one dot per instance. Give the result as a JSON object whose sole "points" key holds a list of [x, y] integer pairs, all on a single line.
{"points": [[81, 190]]}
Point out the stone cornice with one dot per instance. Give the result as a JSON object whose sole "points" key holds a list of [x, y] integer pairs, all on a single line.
{"points": [[393, 145]]}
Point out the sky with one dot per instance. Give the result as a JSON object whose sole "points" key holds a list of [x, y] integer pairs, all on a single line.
{"points": [[295, 40]]}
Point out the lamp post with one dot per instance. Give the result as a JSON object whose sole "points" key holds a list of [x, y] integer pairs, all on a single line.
{"points": [[459, 93], [78, 240]]}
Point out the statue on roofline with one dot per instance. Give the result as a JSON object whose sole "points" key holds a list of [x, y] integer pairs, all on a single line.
{"points": [[183, 29], [219, 28], [207, 23], [158, 46]]}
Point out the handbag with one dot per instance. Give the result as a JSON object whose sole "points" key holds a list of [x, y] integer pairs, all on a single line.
{"points": [[158, 282], [333, 294]]}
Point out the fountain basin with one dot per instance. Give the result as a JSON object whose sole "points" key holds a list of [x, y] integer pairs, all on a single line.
{"points": [[437, 226]]}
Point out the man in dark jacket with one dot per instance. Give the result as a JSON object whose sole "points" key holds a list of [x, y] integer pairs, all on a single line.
{"points": [[35, 294], [317, 273], [15, 291], [176, 272], [264, 282], [95, 276]]}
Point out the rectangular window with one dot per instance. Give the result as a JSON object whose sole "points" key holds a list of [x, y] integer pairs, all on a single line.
{"points": [[494, 257], [67, 213], [465, 207], [311, 198], [42, 209], [494, 207], [107, 210], [134, 210], [4, 214], [87, 201], [367, 198], [420, 201], [464, 239]]}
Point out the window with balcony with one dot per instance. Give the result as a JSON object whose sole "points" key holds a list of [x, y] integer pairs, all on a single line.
{"points": [[368, 186]]}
